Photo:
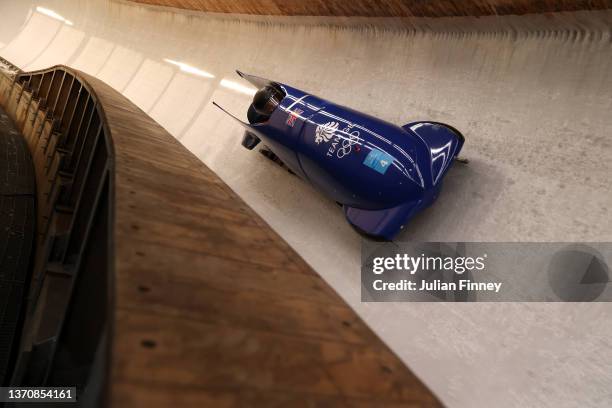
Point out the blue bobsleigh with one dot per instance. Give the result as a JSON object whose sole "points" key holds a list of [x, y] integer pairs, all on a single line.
{"points": [[380, 173]]}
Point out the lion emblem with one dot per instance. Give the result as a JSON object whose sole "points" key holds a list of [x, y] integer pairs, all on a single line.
{"points": [[324, 133]]}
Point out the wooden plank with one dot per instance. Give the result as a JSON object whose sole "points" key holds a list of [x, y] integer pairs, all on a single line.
{"points": [[385, 8], [255, 309], [218, 273], [197, 354]]}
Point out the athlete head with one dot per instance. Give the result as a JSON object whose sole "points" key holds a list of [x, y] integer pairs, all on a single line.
{"points": [[264, 102]]}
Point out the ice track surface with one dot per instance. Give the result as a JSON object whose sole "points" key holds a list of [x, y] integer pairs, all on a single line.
{"points": [[532, 94]]}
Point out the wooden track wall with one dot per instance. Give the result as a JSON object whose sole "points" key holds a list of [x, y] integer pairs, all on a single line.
{"points": [[203, 304], [383, 8]]}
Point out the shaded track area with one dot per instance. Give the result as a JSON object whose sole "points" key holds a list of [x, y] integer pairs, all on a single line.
{"points": [[17, 223]]}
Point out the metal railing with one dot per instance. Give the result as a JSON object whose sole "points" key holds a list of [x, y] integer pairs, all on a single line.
{"points": [[8, 68], [66, 320]]}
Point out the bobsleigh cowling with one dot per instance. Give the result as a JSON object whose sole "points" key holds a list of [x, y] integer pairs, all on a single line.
{"points": [[381, 174]]}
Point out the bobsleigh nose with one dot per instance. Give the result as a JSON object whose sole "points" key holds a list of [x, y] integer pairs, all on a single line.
{"points": [[444, 143]]}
